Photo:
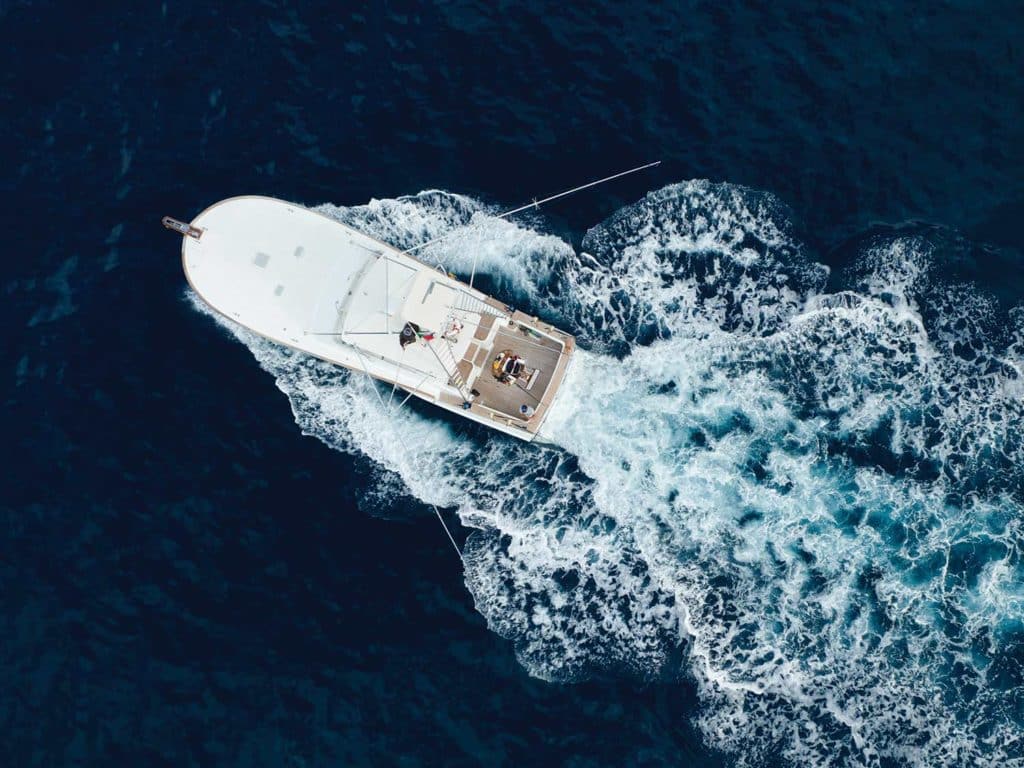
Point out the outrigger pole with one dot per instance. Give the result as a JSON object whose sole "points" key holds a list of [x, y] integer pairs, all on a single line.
{"points": [[538, 203]]}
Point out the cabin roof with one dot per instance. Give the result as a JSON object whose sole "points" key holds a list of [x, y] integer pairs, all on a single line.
{"points": [[430, 301]]}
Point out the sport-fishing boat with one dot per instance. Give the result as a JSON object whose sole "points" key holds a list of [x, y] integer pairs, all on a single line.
{"points": [[302, 279]]}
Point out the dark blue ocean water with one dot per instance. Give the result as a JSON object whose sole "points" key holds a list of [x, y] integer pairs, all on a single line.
{"points": [[188, 580]]}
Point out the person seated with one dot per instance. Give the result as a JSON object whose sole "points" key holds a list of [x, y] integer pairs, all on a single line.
{"points": [[513, 366]]}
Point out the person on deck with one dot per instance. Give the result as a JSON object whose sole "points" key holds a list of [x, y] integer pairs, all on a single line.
{"points": [[513, 366]]}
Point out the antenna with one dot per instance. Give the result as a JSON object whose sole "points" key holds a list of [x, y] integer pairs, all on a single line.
{"points": [[537, 203]]}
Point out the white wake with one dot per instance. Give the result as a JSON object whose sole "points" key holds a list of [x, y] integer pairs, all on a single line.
{"points": [[812, 499]]}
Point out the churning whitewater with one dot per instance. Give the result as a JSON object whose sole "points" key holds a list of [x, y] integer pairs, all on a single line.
{"points": [[801, 490]]}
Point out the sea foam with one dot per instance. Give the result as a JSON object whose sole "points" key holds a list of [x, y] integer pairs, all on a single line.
{"points": [[807, 502]]}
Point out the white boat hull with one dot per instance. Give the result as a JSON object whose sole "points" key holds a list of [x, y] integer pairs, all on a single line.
{"points": [[306, 281]]}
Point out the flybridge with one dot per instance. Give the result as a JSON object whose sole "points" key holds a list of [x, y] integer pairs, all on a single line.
{"points": [[309, 282]]}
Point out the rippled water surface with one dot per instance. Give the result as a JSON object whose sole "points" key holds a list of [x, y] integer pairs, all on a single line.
{"points": [[782, 518]]}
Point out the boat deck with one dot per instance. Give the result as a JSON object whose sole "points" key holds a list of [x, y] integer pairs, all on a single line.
{"points": [[540, 354]]}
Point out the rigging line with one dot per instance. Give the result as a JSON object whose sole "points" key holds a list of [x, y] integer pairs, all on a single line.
{"points": [[538, 203], [351, 333], [323, 295], [453, 375], [387, 289], [365, 319], [411, 393], [349, 345], [380, 254], [401, 439], [353, 347], [450, 537], [366, 370], [398, 373]]}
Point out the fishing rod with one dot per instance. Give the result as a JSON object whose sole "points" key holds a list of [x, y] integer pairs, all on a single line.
{"points": [[537, 203]]}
